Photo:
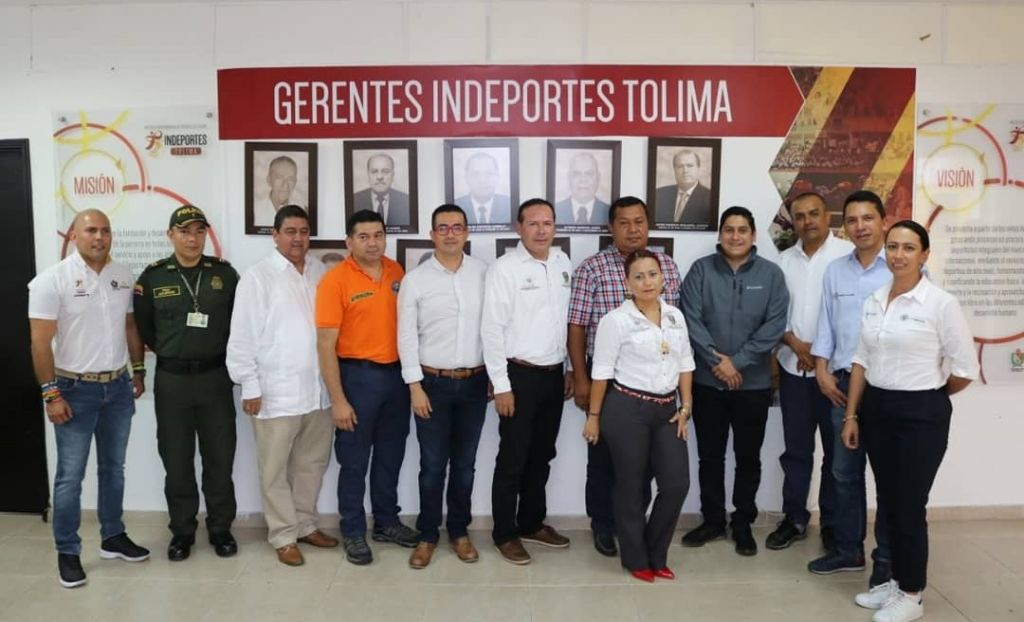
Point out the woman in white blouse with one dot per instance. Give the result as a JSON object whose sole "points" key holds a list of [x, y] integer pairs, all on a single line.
{"points": [[915, 350], [642, 358]]}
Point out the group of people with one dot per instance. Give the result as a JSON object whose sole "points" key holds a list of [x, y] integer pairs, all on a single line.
{"points": [[868, 350]]}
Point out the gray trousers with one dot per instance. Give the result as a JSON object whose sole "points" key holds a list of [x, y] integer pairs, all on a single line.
{"points": [[639, 434]]}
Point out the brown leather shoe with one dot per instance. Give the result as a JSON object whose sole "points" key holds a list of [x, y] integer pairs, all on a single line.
{"points": [[547, 536], [465, 550], [421, 555], [513, 552], [319, 539], [289, 555]]}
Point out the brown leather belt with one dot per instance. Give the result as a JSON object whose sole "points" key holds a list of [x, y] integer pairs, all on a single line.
{"points": [[523, 363], [101, 377], [460, 373]]}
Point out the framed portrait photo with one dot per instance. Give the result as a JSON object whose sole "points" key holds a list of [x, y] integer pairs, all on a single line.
{"points": [[503, 245], [278, 174], [380, 176], [582, 181], [661, 245], [683, 182], [330, 252], [482, 177]]}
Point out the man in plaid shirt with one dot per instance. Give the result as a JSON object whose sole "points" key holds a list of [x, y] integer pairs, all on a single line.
{"points": [[598, 286]]}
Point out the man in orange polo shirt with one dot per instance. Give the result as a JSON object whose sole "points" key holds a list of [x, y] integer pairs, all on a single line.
{"points": [[357, 343]]}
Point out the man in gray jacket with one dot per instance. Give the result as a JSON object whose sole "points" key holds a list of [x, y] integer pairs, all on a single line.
{"points": [[735, 305]]}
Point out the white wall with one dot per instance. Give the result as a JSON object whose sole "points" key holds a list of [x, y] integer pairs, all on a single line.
{"points": [[60, 55]]}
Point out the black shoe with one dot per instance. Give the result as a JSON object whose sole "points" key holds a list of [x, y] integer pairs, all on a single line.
{"points": [[787, 533], [70, 570], [357, 551], [604, 543], [744, 539], [881, 572], [398, 534], [180, 548], [834, 562], [122, 547], [828, 539], [224, 544], [707, 532]]}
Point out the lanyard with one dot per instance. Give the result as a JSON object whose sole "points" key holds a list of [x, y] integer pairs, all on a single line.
{"points": [[194, 294]]}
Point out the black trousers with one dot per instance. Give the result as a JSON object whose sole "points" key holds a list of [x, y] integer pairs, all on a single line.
{"points": [[905, 434], [525, 451], [642, 440], [189, 407], [715, 412]]}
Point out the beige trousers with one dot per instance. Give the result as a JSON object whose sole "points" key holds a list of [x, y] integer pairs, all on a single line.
{"points": [[292, 455]]}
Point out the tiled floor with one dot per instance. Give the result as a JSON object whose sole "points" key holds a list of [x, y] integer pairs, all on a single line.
{"points": [[976, 573]]}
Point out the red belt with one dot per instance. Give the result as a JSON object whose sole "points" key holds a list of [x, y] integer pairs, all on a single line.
{"points": [[662, 399]]}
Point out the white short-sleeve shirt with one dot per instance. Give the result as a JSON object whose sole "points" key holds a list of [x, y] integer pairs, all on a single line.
{"points": [[90, 311], [639, 354], [916, 341]]}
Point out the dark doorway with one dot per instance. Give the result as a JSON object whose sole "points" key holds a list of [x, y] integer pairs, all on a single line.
{"points": [[22, 432]]}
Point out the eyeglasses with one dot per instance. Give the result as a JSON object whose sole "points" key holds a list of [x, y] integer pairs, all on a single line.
{"points": [[445, 229]]}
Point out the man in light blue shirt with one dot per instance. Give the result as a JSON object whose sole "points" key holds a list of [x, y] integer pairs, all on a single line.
{"points": [[848, 282]]}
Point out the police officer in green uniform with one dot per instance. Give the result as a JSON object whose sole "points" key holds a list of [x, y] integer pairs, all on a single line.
{"points": [[183, 310]]}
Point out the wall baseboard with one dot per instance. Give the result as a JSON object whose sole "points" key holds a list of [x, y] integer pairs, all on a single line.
{"points": [[580, 522]]}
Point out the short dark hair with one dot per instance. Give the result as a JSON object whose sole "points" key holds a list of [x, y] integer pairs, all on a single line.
{"points": [[623, 203], [447, 208], [636, 255], [737, 210], [527, 204], [363, 215], [807, 195], [865, 196], [289, 211], [922, 233]]}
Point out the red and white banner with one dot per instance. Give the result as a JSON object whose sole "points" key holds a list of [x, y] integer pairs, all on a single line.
{"points": [[506, 100]]}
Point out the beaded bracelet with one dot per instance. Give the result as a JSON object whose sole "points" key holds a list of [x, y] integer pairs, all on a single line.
{"points": [[50, 391]]}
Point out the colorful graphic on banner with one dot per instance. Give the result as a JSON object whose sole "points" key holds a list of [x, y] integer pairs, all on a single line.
{"points": [[855, 131], [137, 166], [970, 193]]}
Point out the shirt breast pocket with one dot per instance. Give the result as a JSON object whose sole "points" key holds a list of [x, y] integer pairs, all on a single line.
{"points": [[753, 300]]}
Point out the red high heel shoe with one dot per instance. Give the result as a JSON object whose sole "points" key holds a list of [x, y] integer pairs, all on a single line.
{"points": [[645, 574], [665, 573]]}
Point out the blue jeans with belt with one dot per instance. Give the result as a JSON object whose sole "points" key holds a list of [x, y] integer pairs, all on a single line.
{"points": [[448, 442], [103, 410]]}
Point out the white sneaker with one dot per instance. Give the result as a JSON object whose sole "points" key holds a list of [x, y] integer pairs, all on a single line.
{"points": [[877, 596], [900, 608]]}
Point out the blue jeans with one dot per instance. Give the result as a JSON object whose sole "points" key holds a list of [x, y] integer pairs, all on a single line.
{"points": [[381, 400], [448, 442], [850, 524], [104, 410], [804, 411]]}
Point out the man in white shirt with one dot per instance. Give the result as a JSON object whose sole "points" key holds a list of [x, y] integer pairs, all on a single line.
{"points": [[272, 353], [804, 407], [526, 306], [439, 308], [83, 333]]}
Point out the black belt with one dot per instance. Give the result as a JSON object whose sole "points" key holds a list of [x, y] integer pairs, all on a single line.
{"points": [[368, 364], [529, 365], [188, 366]]}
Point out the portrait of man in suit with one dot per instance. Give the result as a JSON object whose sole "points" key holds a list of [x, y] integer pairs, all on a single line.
{"points": [[483, 204], [380, 176], [582, 206], [687, 202], [381, 197]]}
